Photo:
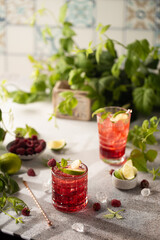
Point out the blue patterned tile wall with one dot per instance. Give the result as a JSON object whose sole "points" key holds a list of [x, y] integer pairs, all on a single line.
{"points": [[129, 19]]}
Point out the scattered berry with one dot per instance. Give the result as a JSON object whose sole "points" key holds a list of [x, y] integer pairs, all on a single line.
{"points": [[96, 206], [144, 184], [111, 171], [115, 203], [51, 162], [31, 172], [25, 211]]}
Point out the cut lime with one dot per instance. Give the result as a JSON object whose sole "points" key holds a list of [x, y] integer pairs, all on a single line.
{"points": [[72, 171], [75, 164], [118, 174], [128, 170], [56, 145], [121, 115]]}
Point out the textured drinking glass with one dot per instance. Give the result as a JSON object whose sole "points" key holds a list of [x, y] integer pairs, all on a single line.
{"points": [[113, 136], [69, 192]]}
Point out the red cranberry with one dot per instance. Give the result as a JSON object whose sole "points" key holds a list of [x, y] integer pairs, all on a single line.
{"points": [[96, 206], [144, 183], [115, 203]]}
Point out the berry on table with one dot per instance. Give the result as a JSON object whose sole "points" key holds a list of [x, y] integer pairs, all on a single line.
{"points": [[25, 211], [31, 172], [115, 203], [51, 162], [96, 206], [144, 184], [111, 171]]}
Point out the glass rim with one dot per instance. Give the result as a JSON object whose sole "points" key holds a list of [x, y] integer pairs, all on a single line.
{"points": [[71, 177], [109, 108]]}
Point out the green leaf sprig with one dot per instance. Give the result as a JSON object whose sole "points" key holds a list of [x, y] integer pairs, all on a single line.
{"points": [[26, 131], [8, 186], [113, 214], [141, 137]]}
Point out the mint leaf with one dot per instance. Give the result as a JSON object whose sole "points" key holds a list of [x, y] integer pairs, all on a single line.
{"points": [[64, 162], [62, 14], [139, 160], [0, 115], [151, 155], [143, 99], [2, 134], [100, 110], [118, 216], [109, 216]]}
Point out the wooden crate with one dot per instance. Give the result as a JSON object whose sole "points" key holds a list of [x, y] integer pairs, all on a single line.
{"points": [[83, 109]]}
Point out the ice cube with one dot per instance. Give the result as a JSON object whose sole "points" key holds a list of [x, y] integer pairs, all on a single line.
{"points": [[47, 186], [78, 227], [101, 197], [145, 192]]}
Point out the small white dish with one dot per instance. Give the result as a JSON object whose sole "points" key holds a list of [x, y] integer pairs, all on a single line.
{"points": [[124, 184], [25, 157]]}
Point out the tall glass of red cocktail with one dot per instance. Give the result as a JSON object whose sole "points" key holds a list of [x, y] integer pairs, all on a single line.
{"points": [[69, 191], [113, 128]]}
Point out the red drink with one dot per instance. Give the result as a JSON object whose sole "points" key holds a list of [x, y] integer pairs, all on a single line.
{"points": [[69, 192], [113, 134]]}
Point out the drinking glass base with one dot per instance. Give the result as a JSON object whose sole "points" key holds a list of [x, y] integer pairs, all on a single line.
{"points": [[114, 161], [64, 208]]}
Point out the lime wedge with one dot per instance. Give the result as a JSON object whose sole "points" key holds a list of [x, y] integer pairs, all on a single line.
{"points": [[118, 174], [56, 145], [135, 170], [75, 164], [128, 170], [72, 171], [121, 115]]}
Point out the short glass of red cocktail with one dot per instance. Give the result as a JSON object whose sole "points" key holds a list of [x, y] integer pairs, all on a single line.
{"points": [[113, 128], [69, 187]]}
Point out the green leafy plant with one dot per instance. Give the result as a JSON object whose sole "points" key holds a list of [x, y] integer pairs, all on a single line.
{"points": [[19, 132], [9, 186], [129, 79], [142, 137]]}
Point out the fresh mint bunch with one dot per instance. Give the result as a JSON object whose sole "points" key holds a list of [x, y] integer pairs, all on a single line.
{"points": [[142, 137]]}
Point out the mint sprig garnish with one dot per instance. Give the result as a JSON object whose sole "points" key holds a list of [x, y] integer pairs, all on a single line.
{"points": [[103, 112], [113, 214]]}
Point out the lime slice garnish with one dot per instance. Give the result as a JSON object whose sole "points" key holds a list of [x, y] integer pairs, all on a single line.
{"points": [[72, 171], [128, 170], [118, 174], [75, 164], [121, 115], [56, 145]]}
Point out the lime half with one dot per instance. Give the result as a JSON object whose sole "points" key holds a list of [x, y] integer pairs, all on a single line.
{"points": [[56, 145], [72, 171], [121, 115]]}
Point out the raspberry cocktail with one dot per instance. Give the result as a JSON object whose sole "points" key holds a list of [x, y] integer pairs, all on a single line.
{"points": [[69, 187], [113, 128]]}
